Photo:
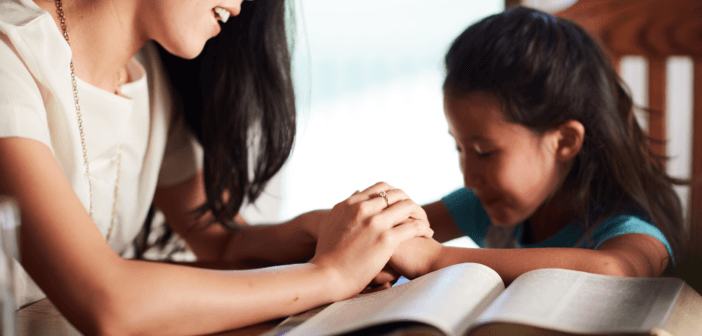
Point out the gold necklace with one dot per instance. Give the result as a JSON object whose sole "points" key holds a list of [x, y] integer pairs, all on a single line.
{"points": [[59, 7]]}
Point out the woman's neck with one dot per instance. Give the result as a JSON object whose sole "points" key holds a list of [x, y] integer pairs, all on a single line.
{"points": [[103, 38]]}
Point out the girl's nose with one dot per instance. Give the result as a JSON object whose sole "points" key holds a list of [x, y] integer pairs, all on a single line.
{"points": [[472, 179]]}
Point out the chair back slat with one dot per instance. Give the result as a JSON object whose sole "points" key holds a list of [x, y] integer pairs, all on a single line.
{"points": [[656, 104], [657, 30], [696, 190]]}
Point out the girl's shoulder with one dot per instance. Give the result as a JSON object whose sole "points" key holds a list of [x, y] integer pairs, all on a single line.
{"points": [[623, 223], [463, 204], [468, 213]]}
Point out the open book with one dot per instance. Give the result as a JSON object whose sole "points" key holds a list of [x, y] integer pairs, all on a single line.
{"points": [[471, 299]]}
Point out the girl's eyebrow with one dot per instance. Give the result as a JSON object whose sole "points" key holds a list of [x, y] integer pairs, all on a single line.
{"points": [[475, 138]]}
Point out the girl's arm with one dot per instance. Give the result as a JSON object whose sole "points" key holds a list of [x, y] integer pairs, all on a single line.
{"points": [[253, 246], [631, 254], [101, 293], [441, 222]]}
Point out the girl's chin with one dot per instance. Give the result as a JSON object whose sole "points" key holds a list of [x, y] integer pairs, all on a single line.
{"points": [[502, 219], [504, 214], [503, 224]]}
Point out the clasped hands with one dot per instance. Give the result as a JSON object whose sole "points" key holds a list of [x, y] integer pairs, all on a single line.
{"points": [[373, 237]]}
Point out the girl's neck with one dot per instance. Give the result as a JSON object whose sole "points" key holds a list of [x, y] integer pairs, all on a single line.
{"points": [[550, 218], [103, 36]]}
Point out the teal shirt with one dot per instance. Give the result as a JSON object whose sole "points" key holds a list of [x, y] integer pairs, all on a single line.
{"points": [[468, 214]]}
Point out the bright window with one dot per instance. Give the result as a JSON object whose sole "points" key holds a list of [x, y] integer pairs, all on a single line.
{"points": [[368, 76]]}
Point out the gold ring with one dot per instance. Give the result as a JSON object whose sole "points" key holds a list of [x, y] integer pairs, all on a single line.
{"points": [[385, 196]]}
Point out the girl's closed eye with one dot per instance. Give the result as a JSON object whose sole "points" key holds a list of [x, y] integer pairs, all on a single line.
{"points": [[481, 152]]}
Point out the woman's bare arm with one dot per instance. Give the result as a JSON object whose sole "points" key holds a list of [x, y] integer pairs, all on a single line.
{"points": [[101, 293], [253, 246]]}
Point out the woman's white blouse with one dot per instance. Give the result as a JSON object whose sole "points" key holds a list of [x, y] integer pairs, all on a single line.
{"points": [[36, 102]]}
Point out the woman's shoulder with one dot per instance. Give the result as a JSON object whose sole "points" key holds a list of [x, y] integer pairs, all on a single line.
{"points": [[18, 13], [29, 36], [22, 108]]}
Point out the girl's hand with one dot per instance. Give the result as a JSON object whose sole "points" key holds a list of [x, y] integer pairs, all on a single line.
{"points": [[384, 280], [361, 233], [416, 257]]}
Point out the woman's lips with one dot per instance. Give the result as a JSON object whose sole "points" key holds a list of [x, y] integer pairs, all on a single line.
{"points": [[222, 14]]}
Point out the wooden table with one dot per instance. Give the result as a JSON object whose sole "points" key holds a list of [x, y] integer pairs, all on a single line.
{"points": [[42, 318]]}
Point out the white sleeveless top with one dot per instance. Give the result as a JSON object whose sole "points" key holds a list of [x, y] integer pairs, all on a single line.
{"points": [[36, 102]]}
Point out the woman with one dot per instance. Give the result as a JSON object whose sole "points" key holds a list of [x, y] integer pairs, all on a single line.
{"points": [[89, 139]]}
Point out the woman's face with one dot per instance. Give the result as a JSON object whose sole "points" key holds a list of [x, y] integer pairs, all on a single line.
{"points": [[512, 170], [183, 26]]}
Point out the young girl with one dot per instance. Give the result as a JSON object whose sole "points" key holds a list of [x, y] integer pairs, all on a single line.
{"points": [[92, 133], [557, 171]]}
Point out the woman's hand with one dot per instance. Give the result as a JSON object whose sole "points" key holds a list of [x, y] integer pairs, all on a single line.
{"points": [[312, 222], [361, 233], [416, 257]]}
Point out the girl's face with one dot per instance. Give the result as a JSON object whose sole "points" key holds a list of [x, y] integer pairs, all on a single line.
{"points": [[512, 170], [183, 26]]}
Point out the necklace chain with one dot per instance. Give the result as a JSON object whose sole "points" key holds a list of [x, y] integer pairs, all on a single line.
{"points": [[59, 7]]}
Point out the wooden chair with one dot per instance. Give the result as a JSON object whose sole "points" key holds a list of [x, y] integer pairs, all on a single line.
{"points": [[657, 30]]}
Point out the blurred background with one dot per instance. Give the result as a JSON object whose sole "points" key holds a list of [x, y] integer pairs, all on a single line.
{"points": [[368, 77]]}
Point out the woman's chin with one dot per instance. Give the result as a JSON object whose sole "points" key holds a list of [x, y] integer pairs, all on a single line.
{"points": [[191, 52], [188, 51]]}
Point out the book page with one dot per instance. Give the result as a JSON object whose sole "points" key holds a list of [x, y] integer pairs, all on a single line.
{"points": [[463, 242], [444, 299], [580, 302]]}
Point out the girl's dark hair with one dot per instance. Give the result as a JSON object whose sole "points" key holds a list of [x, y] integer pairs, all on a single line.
{"points": [[237, 96], [546, 71]]}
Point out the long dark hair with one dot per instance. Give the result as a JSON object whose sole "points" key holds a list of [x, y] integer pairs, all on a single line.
{"points": [[546, 71], [237, 96]]}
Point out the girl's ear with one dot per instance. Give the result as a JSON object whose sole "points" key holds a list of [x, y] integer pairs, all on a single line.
{"points": [[570, 139]]}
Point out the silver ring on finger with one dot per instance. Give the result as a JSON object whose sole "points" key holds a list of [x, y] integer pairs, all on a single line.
{"points": [[385, 196]]}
